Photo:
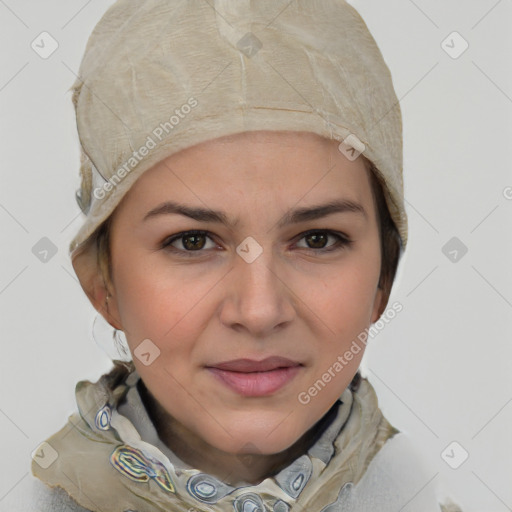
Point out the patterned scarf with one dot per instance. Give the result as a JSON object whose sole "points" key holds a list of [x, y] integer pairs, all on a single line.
{"points": [[101, 460]]}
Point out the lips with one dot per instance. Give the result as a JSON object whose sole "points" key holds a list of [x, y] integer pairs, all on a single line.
{"points": [[253, 378], [249, 365]]}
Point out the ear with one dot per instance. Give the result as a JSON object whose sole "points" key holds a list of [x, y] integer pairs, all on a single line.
{"points": [[87, 269], [381, 300], [377, 305]]}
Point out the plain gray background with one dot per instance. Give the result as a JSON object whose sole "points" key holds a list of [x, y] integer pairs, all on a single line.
{"points": [[442, 368]]}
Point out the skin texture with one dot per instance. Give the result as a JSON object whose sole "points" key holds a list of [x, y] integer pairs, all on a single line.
{"points": [[295, 300]]}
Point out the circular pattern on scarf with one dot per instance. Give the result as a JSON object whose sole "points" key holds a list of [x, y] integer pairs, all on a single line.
{"points": [[133, 464], [249, 502], [281, 506], [103, 417], [294, 478], [206, 488]]}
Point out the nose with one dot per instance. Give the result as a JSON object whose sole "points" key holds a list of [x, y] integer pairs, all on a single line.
{"points": [[258, 298]]}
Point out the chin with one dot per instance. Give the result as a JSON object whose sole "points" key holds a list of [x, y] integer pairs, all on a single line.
{"points": [[265, 436]]}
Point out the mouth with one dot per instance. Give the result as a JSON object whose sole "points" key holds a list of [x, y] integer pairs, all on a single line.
{"points": [[251, 378]]}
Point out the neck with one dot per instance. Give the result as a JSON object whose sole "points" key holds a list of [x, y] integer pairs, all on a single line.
{"points": [[233, 469]]}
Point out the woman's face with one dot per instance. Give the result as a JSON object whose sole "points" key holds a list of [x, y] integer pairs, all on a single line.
{"points": [[231, 326]]}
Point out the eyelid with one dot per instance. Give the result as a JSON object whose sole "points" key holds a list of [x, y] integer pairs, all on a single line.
{"points": [[166, 243], [332, 232], [343, 240]]}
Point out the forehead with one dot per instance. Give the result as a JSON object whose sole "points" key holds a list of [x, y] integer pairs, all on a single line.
{"points": [[254, 168]]}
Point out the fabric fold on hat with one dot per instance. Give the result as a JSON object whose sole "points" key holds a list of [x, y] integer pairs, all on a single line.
{"points": [[158, 77]]}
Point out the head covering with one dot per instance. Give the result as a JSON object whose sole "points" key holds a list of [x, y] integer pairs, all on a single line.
{"points": [[159, 76]]}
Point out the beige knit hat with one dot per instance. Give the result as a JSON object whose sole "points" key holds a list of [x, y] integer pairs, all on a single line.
{"points": [[161, 75]]}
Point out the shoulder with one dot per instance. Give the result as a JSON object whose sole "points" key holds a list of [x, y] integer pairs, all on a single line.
{"points": [[32, 494], [397, 479], [394, 472]]}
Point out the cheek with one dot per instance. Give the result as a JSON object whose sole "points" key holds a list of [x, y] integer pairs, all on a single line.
{"points": [[344, 296], [344, 305], [160, 303]]}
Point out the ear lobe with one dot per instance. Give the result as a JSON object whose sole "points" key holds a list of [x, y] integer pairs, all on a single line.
{"points": [[379, 304], [381, 299], [91, 279]]}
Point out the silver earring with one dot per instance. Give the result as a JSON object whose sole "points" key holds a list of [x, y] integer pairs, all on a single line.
{"points": [[122, 345], [111, 341]]}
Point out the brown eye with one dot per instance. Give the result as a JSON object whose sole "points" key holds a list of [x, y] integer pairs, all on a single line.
{"points": [[193, 242], [316, 240], [187, 242]]}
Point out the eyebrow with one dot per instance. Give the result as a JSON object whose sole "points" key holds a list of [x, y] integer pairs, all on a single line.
{"points": [[291, 217]]}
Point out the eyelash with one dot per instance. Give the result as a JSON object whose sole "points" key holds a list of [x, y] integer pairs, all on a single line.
{"points": [[342, 243]]}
